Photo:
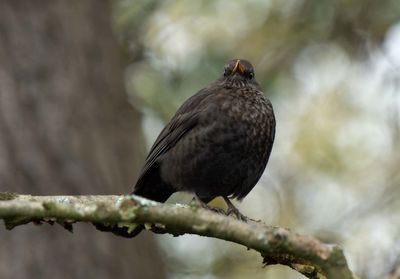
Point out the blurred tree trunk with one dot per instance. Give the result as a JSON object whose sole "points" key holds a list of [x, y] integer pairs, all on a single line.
{"points": [[66, 128]]}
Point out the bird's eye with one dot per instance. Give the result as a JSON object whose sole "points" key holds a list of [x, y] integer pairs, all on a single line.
{"points": [[251, 75], [226, 72]]}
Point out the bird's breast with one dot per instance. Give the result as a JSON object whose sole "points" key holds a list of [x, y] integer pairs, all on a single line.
{"points": [[229, 147], [240, 125]]}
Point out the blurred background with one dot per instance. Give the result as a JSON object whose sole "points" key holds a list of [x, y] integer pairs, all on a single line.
{"points": [[86, 86]]}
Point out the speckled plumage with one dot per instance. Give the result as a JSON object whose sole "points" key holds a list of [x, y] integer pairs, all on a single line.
{"points": [[217, 144]]}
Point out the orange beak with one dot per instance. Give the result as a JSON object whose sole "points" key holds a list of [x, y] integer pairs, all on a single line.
{"points": [[238, 68]]}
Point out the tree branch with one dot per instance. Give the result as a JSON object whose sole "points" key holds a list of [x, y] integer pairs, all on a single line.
{"points": [[276, 245]]}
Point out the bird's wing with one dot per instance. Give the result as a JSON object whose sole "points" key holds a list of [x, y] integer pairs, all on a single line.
{"points": [[185, 119]]}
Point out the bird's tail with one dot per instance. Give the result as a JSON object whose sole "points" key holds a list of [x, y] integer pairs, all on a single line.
{"points": [[151, 186]]}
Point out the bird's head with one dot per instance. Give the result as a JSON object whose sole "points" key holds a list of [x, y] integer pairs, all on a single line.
{"points": [[238, 73]]}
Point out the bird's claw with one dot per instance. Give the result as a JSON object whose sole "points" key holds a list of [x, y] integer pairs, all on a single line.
{"points": [[236, 212], [218, 210], [204, 205], [233, 210]]}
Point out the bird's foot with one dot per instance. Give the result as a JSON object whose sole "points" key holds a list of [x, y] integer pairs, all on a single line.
{"points": [[237, 213], [232, 209], [204, 205], [218, 210]]}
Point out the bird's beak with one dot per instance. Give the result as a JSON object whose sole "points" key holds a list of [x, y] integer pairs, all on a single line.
{"points": [[239, 68]]}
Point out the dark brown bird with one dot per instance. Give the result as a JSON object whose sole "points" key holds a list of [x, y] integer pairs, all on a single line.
{"points": [[217, 144]]}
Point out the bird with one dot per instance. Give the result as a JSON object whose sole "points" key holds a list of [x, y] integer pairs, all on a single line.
{"points": [[217, 144]]}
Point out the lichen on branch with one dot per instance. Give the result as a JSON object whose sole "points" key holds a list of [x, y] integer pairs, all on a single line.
{"points": [[305, 254]]}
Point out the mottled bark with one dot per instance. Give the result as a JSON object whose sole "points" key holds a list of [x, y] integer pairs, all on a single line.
{"points": [[66, 128]]}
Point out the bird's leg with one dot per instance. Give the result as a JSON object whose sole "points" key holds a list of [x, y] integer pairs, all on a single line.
{"points": [[197, 200], [204, 205], [234, 210]]}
